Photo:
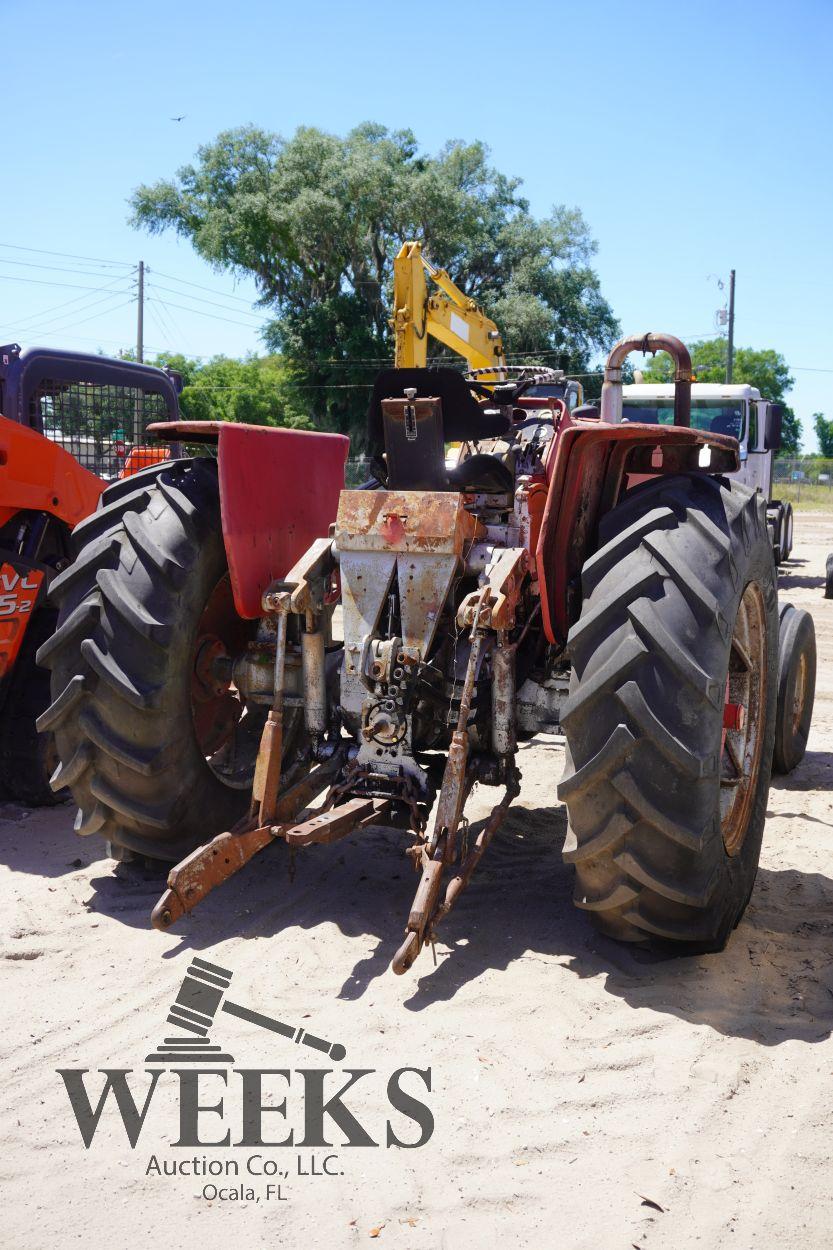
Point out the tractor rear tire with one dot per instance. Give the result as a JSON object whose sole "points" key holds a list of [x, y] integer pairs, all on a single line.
{"points": [[678, 629], [796, 687], [28, 758], [122, 659]]}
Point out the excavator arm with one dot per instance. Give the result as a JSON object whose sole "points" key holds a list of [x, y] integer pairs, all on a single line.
{"points": [[447, 315]]}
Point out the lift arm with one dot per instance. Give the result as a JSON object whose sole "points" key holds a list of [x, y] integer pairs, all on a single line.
{"points": [[448, 315]]}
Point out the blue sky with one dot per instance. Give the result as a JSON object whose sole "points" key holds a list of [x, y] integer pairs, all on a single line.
{"points": [[692, 143]]}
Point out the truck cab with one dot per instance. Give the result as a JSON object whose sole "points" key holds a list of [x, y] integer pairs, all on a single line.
{"points": [[723, 408]]}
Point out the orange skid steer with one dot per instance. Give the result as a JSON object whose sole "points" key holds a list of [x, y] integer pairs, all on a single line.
{"points": [[563, 571], [62, 436]]}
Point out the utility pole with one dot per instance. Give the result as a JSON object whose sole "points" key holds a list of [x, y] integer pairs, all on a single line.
{"points": [[729, 359], [140, 315]]}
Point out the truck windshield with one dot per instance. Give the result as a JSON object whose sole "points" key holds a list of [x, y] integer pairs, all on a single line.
{"points": [[553, 390], [716, 416]]}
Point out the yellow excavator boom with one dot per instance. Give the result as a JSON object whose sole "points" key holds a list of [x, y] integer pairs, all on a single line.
{"points": [[448, 316]]}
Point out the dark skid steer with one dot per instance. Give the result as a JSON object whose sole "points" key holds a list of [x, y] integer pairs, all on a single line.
{"points": [[567, 570]]}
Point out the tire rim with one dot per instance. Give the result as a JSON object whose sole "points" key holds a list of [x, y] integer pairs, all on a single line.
{"points": [[227, 731], [746, 684]]}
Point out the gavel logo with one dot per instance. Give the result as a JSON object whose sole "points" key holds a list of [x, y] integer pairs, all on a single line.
{"points": [[195, 1007]]}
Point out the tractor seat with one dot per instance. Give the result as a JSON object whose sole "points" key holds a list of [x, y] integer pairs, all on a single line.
{"points": [[416, 461], [463, 417]]}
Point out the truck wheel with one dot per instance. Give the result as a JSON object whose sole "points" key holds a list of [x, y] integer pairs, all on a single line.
{"points": [[787, 548], [677, 635], [828, 581], [775, 522], [158, 755], [796, 687], [28, 759]]}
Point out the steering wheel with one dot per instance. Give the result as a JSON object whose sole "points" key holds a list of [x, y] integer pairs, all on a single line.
{"points": [[527, 375]]}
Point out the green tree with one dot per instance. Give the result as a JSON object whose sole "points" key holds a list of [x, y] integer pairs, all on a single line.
{"points": [[824, 433], [317, 220], [790, 434], [765, 369], [258, 390]]}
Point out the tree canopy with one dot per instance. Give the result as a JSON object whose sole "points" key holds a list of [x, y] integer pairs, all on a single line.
{"points": [[824, 433], [258, 390], [317, 219], [765, 369]]}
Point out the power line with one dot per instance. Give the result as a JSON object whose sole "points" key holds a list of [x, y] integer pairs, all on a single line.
{"points": [[122, 344], [82, 308], [40, 251], [7, 277], [165, 333], [211, 291], [105, 312], [157, 286], [168, 304], [65, 303], [29, 264], [169, 320], [311, 386]]}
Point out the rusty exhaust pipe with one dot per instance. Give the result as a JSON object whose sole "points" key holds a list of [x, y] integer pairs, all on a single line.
{"points": [[611, 409]]}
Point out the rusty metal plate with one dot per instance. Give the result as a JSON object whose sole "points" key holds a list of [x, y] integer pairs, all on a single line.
{"points": [[426, 522]]}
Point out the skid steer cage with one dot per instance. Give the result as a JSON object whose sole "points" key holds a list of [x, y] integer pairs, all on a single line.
{"points": [[96, 409]]}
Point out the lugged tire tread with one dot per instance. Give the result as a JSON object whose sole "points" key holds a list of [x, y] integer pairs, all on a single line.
{"points": [[690, 762], [105, 667], [141, 814], [637, 871], [688, 583], [633, 792], [619, 596], [102, 552], [620, 896], [63, 705], [641, 781], [137, 530], [130, 610], [604, 761], [611, 833], [70, 773], [628, 651], [128, 607], [603, 560], [91, 821], [648, 625], [127, 755], [79, 622], [108, 519]]}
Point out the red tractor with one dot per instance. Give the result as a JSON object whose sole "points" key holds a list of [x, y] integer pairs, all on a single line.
{"points": [[68, 424], [562, 571]]}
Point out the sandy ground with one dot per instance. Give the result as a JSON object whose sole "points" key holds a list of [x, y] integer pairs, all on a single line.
{"points": [[571, 1078]]}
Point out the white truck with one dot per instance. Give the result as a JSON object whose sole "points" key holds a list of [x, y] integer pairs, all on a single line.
{"points": [[727, 409], [756, 424]]}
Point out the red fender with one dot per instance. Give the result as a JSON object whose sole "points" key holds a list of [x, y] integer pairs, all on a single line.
{"points": [[279, 491], [590, 465]]}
